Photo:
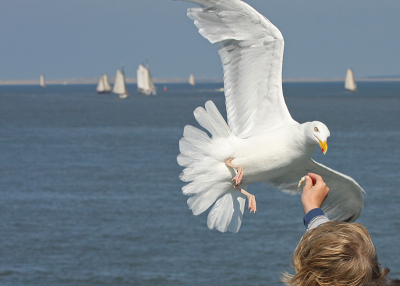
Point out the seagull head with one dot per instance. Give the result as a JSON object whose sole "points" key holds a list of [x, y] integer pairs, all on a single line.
{"points": [[318, 133]]}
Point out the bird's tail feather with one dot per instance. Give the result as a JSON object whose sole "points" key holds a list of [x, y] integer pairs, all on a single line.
{"points": [[209, 180], [227, 212], [212, 120]]}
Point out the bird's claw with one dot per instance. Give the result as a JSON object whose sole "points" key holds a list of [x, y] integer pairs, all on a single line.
{"points": [[238, 177], [239, 171], [252, 203]]}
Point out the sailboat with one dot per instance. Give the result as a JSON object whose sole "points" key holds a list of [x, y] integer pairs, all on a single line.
{"points": [[119, 85], [42, 84], [103, 86], [349, 82], [191, 80], [144, 82]]}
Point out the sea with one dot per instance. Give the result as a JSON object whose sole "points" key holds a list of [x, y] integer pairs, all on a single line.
{"points": [[90, 194]]}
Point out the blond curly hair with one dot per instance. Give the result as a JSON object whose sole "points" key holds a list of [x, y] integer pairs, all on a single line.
{"points": [[335, 253]]}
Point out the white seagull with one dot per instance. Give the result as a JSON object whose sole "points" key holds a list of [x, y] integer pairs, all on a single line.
{"points": [[261, 141]]}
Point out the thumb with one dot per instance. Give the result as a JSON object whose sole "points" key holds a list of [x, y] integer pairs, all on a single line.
{"points": [[308, 183]]}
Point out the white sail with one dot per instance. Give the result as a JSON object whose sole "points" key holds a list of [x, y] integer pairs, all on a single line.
{"points": [[144, 81], [191, 79], [107, 87], [141, 75], [119, 85], [103, 86], [349, 82], [100, 86], [151, 84], [42, 84]]}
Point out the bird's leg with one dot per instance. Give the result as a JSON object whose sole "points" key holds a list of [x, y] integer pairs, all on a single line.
{"points": [[239, 171], [238, 180], [250, 197]]}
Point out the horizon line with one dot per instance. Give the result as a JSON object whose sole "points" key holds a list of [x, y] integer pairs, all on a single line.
{"points": [[65, 81]]}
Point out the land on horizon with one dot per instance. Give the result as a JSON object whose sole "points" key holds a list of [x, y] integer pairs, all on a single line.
{"points": [[178, 80]]}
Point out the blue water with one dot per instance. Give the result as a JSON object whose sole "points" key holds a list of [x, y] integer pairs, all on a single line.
{"points": [[90, 193]]}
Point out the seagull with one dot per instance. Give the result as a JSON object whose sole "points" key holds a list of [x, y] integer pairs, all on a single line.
{"points": [[260, 142]]}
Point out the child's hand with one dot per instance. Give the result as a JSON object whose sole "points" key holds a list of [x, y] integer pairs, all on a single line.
{"points": [[315, 192]]}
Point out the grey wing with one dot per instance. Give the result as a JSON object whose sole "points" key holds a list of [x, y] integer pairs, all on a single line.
{"points": [[251, 51], [345, 199]]}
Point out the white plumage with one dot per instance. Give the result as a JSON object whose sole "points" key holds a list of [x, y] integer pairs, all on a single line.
{"points": [[260, 136]]}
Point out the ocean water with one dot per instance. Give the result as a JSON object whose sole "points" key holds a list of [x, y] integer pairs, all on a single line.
{"points": [[90, 193]]}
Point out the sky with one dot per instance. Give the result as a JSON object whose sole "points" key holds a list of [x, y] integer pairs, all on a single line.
{"points": [[86, 38]]}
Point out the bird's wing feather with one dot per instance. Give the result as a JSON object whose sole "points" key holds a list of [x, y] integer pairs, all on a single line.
{"points": [[251, 50], [345, 199]]}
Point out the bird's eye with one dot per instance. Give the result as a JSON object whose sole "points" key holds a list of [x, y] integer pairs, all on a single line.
{"points": [[316, 129]]}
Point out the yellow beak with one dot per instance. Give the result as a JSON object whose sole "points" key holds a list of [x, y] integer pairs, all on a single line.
{"points": [[323, 145]]}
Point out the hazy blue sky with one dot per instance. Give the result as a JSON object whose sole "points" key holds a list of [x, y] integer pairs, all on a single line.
{"points": [[85, 38]]}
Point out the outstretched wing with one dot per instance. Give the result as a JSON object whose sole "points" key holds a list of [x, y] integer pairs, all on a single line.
{"points": [[251, 50], [345, 199]]}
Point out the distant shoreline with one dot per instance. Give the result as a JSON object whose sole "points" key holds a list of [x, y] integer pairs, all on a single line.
{"points": [[180, 80]]}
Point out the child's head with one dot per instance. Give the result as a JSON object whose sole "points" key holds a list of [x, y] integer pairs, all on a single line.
{"points": [[335, 254]]}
